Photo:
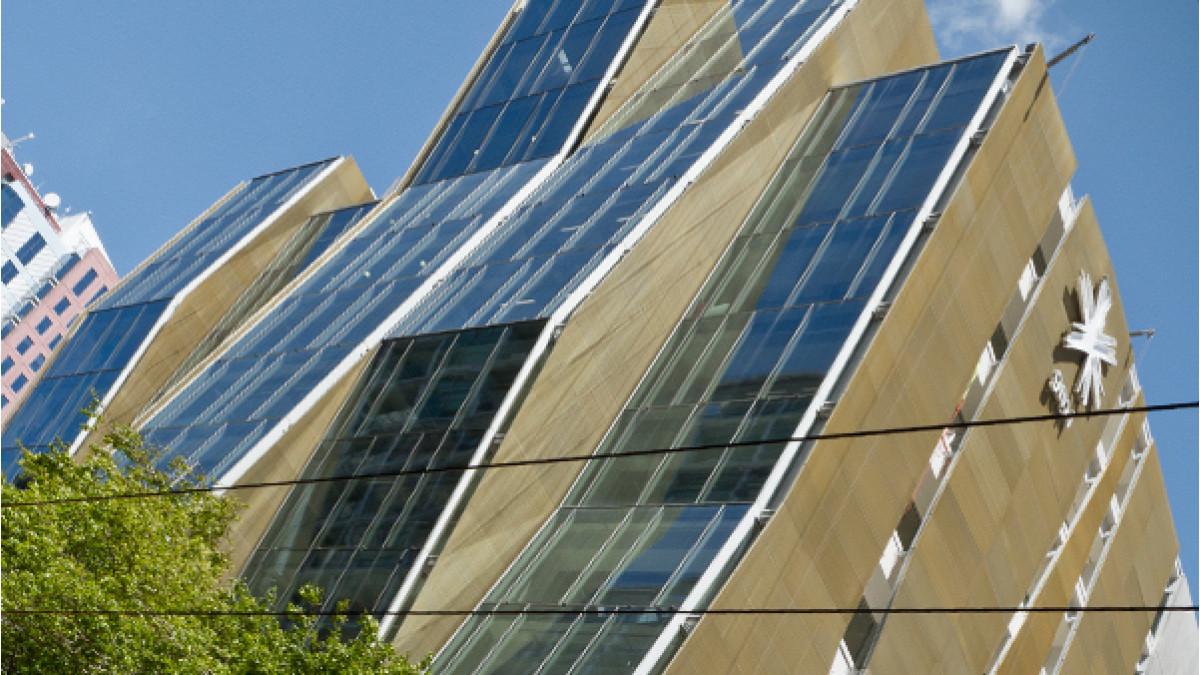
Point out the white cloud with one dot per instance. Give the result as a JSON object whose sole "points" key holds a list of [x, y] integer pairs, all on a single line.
{"points": [[964, 26]]}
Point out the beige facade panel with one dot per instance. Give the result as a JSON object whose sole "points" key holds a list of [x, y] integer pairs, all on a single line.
{"points": [[615, 334], [204, 305], [1034, 642], [1008, 494], [825, 542], [674, 23], [1083, 249], [1134, 573]]}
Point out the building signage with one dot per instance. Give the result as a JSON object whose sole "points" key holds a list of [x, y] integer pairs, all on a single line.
{"points": [[1087, 337]]}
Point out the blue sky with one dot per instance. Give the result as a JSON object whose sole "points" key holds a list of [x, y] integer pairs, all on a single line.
{"points": [[146, 113]]}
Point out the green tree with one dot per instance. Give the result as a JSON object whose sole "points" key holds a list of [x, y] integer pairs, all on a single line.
{"points": [[160, 559]]}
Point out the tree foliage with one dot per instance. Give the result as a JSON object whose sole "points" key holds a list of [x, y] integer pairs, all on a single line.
{"points": [[159, 561]]}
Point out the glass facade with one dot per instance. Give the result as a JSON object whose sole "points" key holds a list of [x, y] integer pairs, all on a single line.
{"points": [[637, 533], [236, 402], [426, 405], [520, 274], [535, 88], [109, 336]]}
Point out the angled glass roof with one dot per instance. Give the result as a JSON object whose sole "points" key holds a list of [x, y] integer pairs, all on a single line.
{"points": [[113, 331], [534, 89], [744, 366]]}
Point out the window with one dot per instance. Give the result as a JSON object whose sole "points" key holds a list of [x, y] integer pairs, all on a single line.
{"points": [[24, 345], [8, 363], [31, 248], [9, 272], [85, 281], [1029, 277], [19, 383], [36, 364], [12, 204], [43, 325], [62, 306], [99, 292], [55, 340]]}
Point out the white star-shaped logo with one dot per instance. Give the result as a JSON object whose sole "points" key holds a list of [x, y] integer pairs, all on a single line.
{"points": [[1088, 336]]}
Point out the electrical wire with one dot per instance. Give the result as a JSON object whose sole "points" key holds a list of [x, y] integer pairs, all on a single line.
{"points": [[887, 431], [604, 611]]}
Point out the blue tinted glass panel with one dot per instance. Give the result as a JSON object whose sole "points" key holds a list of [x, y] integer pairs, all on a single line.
{"points": [[533, 90], [11, 204], [9, 272], [84, 282], [424, 402], [84, 371], [337, 223], [31, 248]]}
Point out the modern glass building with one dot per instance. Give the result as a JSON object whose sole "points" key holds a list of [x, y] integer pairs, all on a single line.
{"points": [[670, 242]]}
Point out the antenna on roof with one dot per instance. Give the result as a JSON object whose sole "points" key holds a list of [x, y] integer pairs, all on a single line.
{"points": [[1069, 51]]}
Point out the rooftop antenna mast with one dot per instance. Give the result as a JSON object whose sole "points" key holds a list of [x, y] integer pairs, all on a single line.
{"points": [[1070, 50]]}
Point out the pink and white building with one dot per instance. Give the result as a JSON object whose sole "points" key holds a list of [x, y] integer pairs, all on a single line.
{"points": [[53, 267]]}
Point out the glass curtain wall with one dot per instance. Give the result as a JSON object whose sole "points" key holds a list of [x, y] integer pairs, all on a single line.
{"points": [[425, 407], [637, 533], [114, 330], [460, 188], [526, 270]]}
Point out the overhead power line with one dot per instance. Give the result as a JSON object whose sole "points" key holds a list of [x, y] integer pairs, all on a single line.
{"points": [[670, 611], [887, 431]]}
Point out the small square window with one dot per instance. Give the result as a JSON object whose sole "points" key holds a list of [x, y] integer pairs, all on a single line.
{"points": [[43, 325], [24, 346], [62, 306], [83, 283], [38, 361], [8, 363], [19, 383], [9, 272], [55, 340]]}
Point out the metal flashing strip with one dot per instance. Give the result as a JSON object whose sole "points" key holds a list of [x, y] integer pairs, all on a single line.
{"points": [[742, 535]]}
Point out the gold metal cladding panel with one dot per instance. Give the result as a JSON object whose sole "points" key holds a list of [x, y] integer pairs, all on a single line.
{"points": [[673, 23], [614, 335], [1032, 645], [203, 307], [825, 541], [1134, 573], [284, 461], [1011, 486]]}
